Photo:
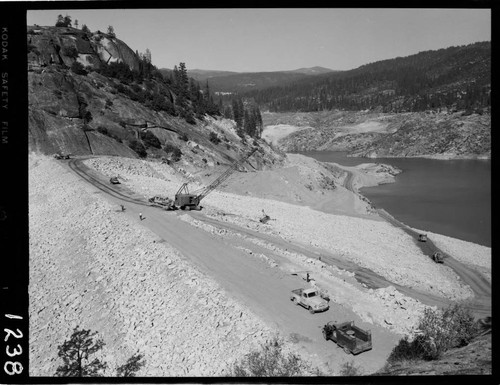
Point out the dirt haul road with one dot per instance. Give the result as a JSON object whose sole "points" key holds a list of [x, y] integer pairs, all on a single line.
{"points": [[480, 304], [263, 289]]}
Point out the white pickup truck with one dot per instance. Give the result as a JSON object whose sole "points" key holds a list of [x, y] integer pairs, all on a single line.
{"points": [[310, 299]]}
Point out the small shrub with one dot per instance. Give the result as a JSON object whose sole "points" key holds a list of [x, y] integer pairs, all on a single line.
{"points": [[150, 139], [438, 331], [184, 137], [87, 117], [121, 88], [138, 148], [78, 69], [70, 52], [175, 151], [108, 104], [349, 369], [103, 130], [271, 361], [214, 138]]}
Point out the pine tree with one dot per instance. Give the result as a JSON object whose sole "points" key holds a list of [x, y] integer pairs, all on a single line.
{"points": [[76, 353], [85, 29], [111, 31], [60, 21], [147, 55], [67, 21]]}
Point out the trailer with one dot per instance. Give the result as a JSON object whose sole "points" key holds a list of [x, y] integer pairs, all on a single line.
{"points": [[349, 337]]}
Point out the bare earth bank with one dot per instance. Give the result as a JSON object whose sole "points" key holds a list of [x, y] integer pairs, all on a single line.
{"points": [[94, 266]]}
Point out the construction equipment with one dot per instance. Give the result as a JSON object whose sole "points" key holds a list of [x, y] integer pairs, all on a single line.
{"points": [[422, 237], [114, 180], [348, 336], [191, 201], [437, 257], [162, 202], [61, 156]]}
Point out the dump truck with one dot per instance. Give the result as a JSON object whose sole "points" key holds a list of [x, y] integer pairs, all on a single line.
{"points": [[114, 180], [310, 299], [349, 337], [162, 202], [422, 237], [437, 257], [186, 200]]}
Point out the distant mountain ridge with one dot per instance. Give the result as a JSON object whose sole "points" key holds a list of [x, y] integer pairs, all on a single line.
{"points": [[454, 77], [236, 82]]}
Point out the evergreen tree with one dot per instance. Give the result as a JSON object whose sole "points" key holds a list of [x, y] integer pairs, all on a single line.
{"points": [[147, 55], [67, 21], [236, 113], [76, 23], [76, 354], [85, 29], [63, 21], [111, 31]]}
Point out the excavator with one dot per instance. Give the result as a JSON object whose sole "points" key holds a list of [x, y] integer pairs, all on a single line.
{"points": [[191, 201]]}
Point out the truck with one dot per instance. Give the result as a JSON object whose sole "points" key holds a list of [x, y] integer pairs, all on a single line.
{"points": [[422, 237], [311, 299], [437, 257], [349, 337]]}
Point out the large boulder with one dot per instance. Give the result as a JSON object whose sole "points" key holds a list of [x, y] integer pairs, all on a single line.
{"points": [[65, 45]]}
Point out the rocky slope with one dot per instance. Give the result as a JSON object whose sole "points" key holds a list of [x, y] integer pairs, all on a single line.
{"points": [[94, 267], [470, 360], [93, 114], [375, 135], [54, 46]]}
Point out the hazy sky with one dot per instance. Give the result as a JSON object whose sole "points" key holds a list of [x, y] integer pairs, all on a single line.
{"points": [[255, 40]]}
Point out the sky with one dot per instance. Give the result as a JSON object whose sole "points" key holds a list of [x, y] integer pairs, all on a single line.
{"points": [[258, 40]]}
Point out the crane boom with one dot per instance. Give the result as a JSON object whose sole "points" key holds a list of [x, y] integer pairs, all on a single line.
{"points": [[184, 199], [212, 186]]}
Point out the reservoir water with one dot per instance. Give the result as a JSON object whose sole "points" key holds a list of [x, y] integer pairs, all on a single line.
{"points": [[449, 197]]}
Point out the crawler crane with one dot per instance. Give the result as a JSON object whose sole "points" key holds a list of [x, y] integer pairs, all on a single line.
{"points": [[191, 201]]}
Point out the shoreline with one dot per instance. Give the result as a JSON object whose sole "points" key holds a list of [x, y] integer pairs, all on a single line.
{"points": [[376, 178], [116, 248]]}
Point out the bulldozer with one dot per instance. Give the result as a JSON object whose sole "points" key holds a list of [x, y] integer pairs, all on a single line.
{"points": [[186, 200], [162, 202]]}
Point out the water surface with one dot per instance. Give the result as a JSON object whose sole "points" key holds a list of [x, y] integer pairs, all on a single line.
{"points": [[449, 197]]}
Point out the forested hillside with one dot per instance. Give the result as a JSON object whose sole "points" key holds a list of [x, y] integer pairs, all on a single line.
{"points": [[90, 93], [452, 78]]}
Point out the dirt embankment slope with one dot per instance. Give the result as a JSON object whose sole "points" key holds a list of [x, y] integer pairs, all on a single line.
{"points": [[81, 259], [92, 266]]}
